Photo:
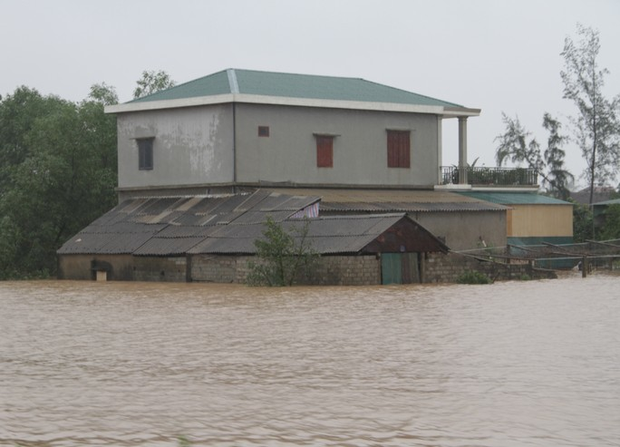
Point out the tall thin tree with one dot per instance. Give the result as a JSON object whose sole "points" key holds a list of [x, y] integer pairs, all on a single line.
{"points": [[596, 126]]}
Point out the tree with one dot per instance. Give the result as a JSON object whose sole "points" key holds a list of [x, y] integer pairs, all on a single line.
{"points": [[611, 227], [62, 176], [18, 114], [152, 82], [282, 254], [104, 94], [596, 126], [514, 146], [583, 223]]}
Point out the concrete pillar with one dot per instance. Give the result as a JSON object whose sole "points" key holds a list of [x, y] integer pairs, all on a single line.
{"points": [[462, 150]]}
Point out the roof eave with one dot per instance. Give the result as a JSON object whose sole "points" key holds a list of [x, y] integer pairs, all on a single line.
{"points": [[453, 112], [290, 101]]}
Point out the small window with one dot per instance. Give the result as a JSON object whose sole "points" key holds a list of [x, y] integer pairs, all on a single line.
{"points": [[398, 148], [145, 153], [263, 131], [324, 151]]}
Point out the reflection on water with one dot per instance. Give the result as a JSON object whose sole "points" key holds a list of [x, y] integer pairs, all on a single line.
{"points": [[135, 364]]}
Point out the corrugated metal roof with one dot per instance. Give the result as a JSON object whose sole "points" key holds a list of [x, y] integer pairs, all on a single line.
{"points": [[154, 227], [514, 198], [158, 246], [262, 83], [327, 235], [392, 201], [104, 243], [167, 226]]}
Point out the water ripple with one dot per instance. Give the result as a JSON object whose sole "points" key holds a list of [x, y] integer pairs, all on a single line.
{"points": [[134, 364]]}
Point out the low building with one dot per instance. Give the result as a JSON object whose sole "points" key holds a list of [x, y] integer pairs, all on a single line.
{"points": [[212, 239], [531, 218]]}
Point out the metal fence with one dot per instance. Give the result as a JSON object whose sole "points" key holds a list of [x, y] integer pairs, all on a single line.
{"points": [[491, 176]]}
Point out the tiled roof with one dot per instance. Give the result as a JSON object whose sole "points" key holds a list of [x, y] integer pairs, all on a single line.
{"points": [[288, 85]]}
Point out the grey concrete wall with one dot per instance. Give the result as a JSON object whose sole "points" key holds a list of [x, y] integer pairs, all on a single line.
{"points": [[440, 268], [465, 230], [78, 267], [192, 146], [360, 147]]}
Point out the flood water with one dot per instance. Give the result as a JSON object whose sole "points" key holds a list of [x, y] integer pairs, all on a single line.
{"points": [[533, 363]]}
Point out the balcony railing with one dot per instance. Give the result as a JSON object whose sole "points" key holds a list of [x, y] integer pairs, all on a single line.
{"points": [[491, 176]]}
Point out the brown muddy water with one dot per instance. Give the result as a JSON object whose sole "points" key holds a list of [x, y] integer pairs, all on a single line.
{"points": [[532, 363]]}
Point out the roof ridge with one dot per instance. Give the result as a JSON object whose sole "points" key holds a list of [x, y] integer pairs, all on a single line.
{"points": [[288, 73], [232, 81]]}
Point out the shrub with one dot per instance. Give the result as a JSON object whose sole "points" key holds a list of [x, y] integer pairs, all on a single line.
{"points": [[282, 256], [473, 277]]}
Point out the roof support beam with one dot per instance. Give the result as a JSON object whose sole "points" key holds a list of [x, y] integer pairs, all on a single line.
{"points": [[462, 150]]}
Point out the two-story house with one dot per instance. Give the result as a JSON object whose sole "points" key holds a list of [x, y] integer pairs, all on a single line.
{"points": [[357, 148], [251, 128]]}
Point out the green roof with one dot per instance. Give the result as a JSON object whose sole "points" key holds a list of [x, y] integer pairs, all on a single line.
{"points": [[263, 83], [514, 198]]}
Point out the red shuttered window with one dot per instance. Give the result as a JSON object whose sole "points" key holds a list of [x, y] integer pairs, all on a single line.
{"points": [[324, 151], [398, 149]]}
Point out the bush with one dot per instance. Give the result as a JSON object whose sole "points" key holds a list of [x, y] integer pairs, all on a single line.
{"points": [[473, 277], [282, 256]]}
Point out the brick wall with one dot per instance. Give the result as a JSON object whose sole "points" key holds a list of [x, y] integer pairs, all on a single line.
{"points": [[447, 268], [218, 268], [347, 271], [330, 270]]}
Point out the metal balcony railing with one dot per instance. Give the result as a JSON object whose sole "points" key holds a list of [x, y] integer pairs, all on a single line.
{"points": [[491, 176]]}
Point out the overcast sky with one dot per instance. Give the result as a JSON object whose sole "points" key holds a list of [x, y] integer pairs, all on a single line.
{"points": [[499, 56]]}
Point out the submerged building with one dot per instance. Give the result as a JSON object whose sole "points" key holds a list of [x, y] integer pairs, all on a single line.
{"points": [[203, 163]]}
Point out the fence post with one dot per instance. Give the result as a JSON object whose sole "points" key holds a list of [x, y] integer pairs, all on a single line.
{"points": [[584, 267]]}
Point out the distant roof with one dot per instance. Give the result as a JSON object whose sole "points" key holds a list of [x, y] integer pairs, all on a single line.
{"points": [[514, 198], [607, 202], [601, 194], [251, 85], [335, 200]]}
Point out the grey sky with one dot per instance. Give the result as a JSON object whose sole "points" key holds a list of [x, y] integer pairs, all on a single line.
{"points": [[490, 54]]}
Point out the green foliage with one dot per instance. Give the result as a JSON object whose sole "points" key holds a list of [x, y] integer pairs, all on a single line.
{"points": [[182, 441], [582, 223], [611, 227], [514, 146], [473, 277], [597, 125], [282, 255], [152, 82], [58, 175]]}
